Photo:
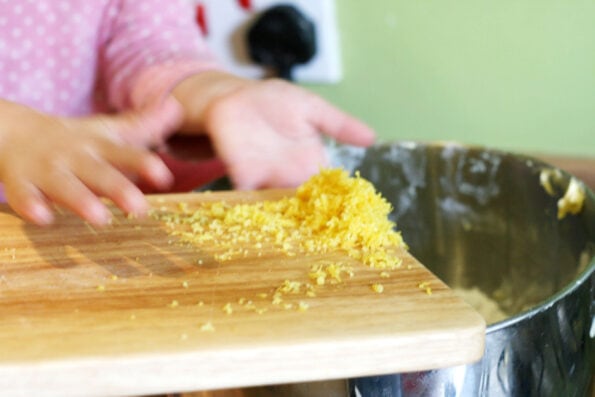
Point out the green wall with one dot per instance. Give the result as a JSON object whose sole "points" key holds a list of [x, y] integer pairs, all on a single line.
{"points": [[511, 74]]}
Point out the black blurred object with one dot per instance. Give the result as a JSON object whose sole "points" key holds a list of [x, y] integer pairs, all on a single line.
{"points": [[281, 38]]}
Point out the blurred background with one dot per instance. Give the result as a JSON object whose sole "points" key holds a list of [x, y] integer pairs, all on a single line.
{"points": [[515, 75]]}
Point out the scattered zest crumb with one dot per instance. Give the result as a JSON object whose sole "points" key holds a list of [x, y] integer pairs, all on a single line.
{"points": [[319, 274], [277, 299], [227, 309], [426, 287], [207, 327], [185, 284], [290, 287], [378, 288], [101, 287], [174, 303]]}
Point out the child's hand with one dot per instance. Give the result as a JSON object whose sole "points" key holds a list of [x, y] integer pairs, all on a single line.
{"points": [[268, 133], [73, 162]]}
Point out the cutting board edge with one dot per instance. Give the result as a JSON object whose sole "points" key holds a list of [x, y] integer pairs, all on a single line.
{"points": [[152, 373]]}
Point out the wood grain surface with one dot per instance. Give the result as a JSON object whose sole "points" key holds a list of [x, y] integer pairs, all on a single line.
{"points": [[125, 310]]}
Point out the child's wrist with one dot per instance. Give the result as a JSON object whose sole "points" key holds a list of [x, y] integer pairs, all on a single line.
{"points": [[198, 92]]}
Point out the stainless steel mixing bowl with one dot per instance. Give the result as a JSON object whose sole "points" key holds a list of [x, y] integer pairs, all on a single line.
{"points": [[481, 218]]}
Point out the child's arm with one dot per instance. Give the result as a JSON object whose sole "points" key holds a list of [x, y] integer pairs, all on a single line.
{"points": [[72, 162]]}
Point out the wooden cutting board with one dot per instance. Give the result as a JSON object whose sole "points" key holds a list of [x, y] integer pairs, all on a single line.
{"points": [[125, 310]]}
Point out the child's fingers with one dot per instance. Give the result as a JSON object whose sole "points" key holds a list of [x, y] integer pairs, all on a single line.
{"points": [[78, 188], [108, 175], [64, 188], [30, 198], [105, 181], [27, 201], [131, 158], [147, 127], [337, 124], [148, 166]]}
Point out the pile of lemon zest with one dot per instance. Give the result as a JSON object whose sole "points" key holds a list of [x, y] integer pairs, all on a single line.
{"points": [[330, 212]]}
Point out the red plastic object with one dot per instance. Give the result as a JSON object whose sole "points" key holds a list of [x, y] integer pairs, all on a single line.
{"points": [[201, 19], [246, 4]]}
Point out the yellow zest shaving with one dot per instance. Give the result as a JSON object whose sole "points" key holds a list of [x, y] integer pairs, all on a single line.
{"points": [[227, 309], [330, 212], [207, 327], [378, 288], [426, 287]]}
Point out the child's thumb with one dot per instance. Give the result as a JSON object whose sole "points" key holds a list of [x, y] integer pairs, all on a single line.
{"points": [[151, 126]]}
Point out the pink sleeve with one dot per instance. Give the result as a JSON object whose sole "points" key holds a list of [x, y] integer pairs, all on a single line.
{"points": [[147, 47]]}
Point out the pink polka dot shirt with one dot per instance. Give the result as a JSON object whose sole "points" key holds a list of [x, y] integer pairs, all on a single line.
{"points": [[77, 57], [74, 57]]}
